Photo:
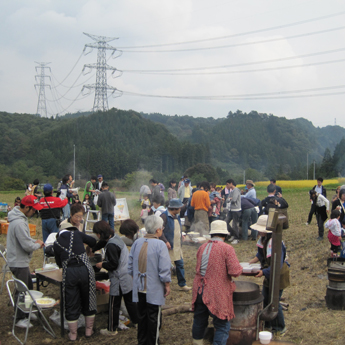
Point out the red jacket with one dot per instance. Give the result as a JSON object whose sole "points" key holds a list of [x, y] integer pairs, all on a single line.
{"points": [[218, 285], [55, 204]]}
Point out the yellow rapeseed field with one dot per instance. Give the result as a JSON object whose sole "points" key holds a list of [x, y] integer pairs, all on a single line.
{"points": [[295, 183]]}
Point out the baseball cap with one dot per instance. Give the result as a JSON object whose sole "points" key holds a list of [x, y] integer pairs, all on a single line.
{"points": [[99, 176], [31, 200], [47, 187]]}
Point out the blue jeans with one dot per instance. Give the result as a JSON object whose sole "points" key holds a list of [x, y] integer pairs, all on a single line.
{"points": [[251, 214], [278, 324], [181, 281], [109, 217], [200, 323], [66, 211], [48, 227]]}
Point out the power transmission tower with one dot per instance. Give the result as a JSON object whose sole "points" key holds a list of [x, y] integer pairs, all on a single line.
{"points": [[42, 104], [101, 87]]}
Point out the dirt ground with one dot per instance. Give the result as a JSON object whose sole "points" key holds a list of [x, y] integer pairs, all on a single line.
{"points": [[308, 319]]}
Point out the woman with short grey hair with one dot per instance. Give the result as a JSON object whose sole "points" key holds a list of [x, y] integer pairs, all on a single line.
{"points": [[149, 265], [152, 223]]}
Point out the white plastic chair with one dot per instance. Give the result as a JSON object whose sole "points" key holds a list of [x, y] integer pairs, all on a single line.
{"points": [[5, 268], [22, 289]]}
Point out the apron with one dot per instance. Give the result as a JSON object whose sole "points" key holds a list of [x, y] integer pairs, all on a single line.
{"points": [[83, 258], [176, 252]]}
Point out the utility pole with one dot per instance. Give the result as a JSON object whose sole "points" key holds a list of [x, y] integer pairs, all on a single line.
{"points": [[74, 162], [101, 87], [42, 104], [307, 168]]}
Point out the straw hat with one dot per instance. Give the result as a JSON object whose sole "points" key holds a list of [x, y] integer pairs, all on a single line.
{"points": [[219, 227], [250, 182], [260, 225]]}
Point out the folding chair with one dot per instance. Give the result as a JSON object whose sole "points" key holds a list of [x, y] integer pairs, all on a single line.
{"points": [[19, 286], [5, 268]]}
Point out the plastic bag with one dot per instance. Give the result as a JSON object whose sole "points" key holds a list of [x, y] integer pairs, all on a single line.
{"points": [[55, 317]]}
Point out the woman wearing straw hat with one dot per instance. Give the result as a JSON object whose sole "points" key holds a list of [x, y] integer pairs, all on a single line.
{"points": [[263, 255], [216, 264]]}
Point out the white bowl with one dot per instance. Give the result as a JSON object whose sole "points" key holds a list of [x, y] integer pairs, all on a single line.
{"points": [[262, 341], [265, 337], [36, 294]]}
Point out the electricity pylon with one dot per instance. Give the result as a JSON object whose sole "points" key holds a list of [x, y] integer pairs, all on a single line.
{"points": [[101, 87], [42, 104]]}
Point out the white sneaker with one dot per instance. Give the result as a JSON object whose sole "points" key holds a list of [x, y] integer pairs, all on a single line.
{"points": [[108, 333], [23, 323], [185, 288], [306, 223], [235, 241], [231, 238]]}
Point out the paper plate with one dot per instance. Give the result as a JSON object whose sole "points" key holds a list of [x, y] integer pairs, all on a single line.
{"points": [[45, 302]]}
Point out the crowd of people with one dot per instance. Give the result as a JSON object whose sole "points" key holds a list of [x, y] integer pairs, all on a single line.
{"points": [[207, 202], [142, 276]]}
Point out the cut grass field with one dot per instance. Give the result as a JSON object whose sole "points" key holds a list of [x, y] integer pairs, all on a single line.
{"points": [[308, 319]]}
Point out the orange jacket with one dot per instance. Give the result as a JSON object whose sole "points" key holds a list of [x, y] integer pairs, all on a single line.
{"points": [[201, 200]]}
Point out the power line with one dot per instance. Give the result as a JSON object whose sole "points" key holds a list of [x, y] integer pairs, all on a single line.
{"points": [[238, 44], [239, 34], [68, 74], [235, 65], [253, 96], [75, 100], [251, 70]]}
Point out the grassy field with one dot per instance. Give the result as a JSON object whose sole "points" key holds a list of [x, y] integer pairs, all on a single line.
{"points": [[308, 319]]}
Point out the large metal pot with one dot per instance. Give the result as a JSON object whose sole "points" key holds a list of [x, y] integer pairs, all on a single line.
{"points": [[248, 301]]}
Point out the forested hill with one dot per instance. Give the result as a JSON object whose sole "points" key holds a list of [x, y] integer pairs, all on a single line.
{"points": [[255, 140], [115, 142], [118, 142]]}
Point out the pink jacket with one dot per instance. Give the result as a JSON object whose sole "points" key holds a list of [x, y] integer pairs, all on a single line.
{"points": [[218, 285]]}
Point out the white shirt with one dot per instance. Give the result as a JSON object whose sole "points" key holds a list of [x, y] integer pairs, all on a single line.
{"points": [[318, 189], [322, 201]]}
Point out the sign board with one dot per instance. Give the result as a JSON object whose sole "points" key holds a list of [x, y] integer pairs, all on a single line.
{"points": [[121, 210]]}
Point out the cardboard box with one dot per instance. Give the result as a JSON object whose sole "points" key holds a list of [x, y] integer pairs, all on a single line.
{"points": [[102, 301]]}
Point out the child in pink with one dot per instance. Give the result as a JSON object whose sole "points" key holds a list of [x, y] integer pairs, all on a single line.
{"points": [[334, 233], [144, 212]]}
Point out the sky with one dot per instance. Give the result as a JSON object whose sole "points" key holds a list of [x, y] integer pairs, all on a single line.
{"points": [[184, 57]]}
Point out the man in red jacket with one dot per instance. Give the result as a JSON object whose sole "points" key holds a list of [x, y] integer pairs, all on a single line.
{"points": [[51, 211]]}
